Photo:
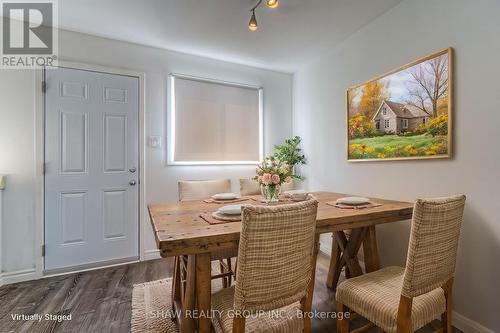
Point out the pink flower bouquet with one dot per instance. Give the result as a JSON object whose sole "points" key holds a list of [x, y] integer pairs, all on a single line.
{"points": [[271, 174]]}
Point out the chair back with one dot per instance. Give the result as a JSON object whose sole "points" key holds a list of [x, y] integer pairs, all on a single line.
{"points": [[190, 190], [432, 251], [249, 187], [275, 255], [288, 186]]}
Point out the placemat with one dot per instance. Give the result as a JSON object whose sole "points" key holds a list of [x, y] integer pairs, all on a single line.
{"points": [[344, 206], [215, 218]]}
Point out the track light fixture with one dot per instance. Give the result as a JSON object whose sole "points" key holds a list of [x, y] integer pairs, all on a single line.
{"points": [[272, 3], [252, 25]]}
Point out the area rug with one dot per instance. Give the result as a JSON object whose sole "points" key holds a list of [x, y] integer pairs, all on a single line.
{"points": [[152, 306]]}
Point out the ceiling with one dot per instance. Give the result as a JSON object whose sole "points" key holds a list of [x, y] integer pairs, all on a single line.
{"points": [[288, 36]]}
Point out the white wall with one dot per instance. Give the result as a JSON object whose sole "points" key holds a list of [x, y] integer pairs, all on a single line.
{"points": [[17, 139], [17, 127], [413, 29]]}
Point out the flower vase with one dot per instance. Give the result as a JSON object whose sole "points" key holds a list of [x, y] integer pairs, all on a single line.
{"points": [[270, 192]]}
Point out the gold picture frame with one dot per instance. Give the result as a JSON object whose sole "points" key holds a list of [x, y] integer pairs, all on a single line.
{"points": [[386, 123]]}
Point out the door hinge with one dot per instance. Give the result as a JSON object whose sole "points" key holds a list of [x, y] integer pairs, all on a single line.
{"points": [[44, 86], [43, 250]]}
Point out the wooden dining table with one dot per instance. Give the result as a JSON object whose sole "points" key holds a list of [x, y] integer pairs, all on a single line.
{"points": [[180, 231]]}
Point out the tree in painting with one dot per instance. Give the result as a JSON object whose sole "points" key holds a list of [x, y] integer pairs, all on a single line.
{"points": [[429, 85], [372, 95], [403, 114]]}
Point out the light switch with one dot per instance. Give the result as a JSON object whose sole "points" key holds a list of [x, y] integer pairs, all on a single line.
{"points": [[155, 141]]}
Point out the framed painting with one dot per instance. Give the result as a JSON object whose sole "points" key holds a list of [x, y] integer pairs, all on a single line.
{"points": [[403, 114]]}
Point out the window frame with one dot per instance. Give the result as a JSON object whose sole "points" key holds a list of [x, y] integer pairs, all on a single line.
{"points": [[387, 123], [170, 135]]}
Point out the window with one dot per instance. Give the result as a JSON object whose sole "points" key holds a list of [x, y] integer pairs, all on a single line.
{"points": [[386, 123], [424, 120], [384, 111], [377, 124], [404, 123], [213, 122]]}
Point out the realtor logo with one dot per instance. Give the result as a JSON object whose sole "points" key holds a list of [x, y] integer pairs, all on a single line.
{"points": [[29, 34]]}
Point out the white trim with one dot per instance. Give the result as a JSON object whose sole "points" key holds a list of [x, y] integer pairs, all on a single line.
{"points": [[19, 276], [170, 136], [39, 153], [39, 176], [151, 254], [99, 68], [143, 215], [468, 325]]}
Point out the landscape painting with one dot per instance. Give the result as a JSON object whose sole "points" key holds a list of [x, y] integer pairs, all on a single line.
{"points": [[404, 114]]}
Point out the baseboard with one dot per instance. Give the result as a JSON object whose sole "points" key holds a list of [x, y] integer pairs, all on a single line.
{"points": [[468, 325], [151, 254], [18, 276]]}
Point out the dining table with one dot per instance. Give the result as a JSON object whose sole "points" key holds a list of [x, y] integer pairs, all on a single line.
{"points": [[180, 230]]}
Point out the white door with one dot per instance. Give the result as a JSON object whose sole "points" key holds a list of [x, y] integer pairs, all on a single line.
{"points": [[91, 169]]}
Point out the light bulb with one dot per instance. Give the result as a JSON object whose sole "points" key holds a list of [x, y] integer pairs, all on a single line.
{"points": [[252, 25], [272, 3]]}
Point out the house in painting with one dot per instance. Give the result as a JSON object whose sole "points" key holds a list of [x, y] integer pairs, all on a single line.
{"points": [[392, 117]]}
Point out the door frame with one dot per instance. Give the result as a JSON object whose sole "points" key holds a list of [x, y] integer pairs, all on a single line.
{"points": [[40, 158]]}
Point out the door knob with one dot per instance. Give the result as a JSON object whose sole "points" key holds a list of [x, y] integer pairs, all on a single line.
{"points": [[132, 169], [132, 182]]}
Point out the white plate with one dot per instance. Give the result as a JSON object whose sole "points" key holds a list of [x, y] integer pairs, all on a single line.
{"points": [[353, 200], [298, 198], [224, 196], [294, 192], [230, 210], [296, 195]]}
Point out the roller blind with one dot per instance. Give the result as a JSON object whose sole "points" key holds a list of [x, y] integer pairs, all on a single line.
{"points": [[214, 122]]}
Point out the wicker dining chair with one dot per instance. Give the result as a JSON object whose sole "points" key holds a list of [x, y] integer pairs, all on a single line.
{"points": [[275, 262], [190, 190], [251, 187], [403, 300]]}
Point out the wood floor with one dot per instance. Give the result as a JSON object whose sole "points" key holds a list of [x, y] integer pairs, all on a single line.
{"points": [[100, 300]]}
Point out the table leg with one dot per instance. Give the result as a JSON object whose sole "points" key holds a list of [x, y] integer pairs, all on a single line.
{"points": [[349, 249], [188, 303], [176, 283], [370, 250], [331, 280], [203, 291], [306, 303]]}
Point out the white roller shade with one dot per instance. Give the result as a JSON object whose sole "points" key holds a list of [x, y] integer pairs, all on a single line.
{"points": [[214, 122]]}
